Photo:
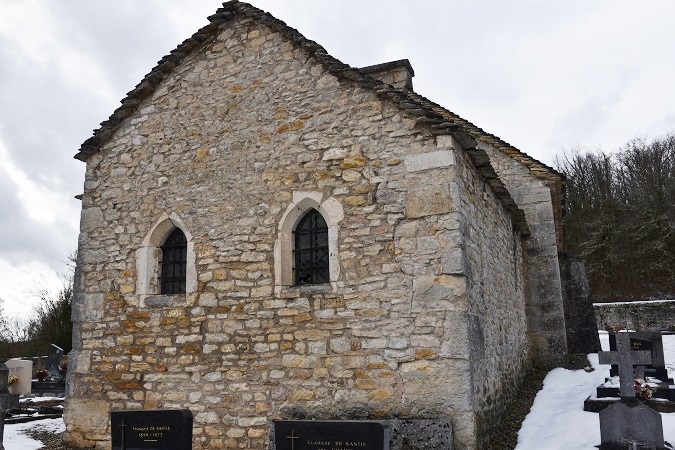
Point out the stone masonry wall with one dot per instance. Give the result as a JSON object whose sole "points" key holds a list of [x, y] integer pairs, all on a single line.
{"points": [[242, 128], [637, 316], [497, 331], [544, 299]]}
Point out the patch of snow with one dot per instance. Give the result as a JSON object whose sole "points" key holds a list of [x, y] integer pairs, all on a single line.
{"points": [[557, 419], [16, 438], [636, 303], [39, 399]]}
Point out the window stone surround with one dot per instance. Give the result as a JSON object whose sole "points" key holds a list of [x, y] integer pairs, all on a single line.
{"points": [[147, 263], [332, 212]]}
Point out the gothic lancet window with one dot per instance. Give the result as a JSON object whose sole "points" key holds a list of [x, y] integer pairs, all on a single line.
{"points": [[311, 250], [173, 263]]}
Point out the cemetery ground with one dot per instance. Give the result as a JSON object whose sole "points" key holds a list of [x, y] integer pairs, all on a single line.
{"points": [[556, 419]]}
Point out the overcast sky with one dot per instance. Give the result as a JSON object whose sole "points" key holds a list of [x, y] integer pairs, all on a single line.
{"points": [[542, 75]]}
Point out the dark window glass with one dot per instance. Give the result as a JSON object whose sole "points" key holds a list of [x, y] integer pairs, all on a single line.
{"points": [[311, 250], [173, 265]]}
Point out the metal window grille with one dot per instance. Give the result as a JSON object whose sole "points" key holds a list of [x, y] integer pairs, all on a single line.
{"points": [[311, 250], [174, 264]]}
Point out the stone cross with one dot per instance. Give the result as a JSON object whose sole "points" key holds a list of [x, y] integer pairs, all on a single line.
{"points": [[54, 362], [625, 358]]}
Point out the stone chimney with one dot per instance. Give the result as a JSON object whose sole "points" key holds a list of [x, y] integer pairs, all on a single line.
{"points": [[396, 73]]}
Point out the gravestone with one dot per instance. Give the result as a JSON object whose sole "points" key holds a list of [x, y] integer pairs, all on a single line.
{"points": [[7, 400], [54, 363], [23, 371], [652, 342], [329, 435], [629, 424], [169, 429], [625, 359]]}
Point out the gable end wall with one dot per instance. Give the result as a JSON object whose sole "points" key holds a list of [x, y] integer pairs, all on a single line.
{"points": [[231, 138]]}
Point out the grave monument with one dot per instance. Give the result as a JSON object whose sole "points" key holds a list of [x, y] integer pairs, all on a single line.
{"points": [[629, 424], [663, 393], [23, 371], [7, 401]]}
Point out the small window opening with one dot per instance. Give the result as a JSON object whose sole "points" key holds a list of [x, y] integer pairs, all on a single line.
{"points": [[311, 250], [173, 264]]}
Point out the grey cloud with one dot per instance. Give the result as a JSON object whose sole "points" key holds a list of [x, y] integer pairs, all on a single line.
{"points": [[24, 238]]}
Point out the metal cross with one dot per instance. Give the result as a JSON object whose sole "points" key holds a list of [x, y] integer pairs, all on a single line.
{"points": [[625, 358], [292, 437]]}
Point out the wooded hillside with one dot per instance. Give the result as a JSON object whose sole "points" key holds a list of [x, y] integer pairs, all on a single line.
{"points": [[620, 218]]}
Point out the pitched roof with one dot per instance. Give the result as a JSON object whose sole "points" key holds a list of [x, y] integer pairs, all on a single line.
{"points": [[438, 119]]}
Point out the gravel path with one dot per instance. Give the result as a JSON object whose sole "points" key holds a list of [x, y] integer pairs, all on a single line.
{"points": [[51, 441]]}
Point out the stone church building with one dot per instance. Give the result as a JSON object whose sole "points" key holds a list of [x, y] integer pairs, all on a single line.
{"points": [[268, 233]]}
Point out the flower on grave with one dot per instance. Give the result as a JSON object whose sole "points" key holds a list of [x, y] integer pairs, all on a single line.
{"points": [[12, 379], [41, 374], [643, 389]]}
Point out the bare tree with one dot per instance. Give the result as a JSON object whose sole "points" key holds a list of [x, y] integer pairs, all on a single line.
{"points": [[52, 315], [621, 217]]}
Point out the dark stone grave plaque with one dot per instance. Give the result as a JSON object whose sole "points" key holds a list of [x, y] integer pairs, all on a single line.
{"points": [[324, 435], [169, 429], [652, 341]]}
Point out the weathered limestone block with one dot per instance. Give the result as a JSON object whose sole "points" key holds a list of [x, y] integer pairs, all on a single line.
{"points": [[90, 416], [439, 293], [87, 307], [91, 219], [428, 200], [430, 160]]}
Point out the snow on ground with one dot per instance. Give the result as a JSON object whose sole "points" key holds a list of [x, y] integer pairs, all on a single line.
{"points": [[36, 400], [16, 439], [557, 419]]}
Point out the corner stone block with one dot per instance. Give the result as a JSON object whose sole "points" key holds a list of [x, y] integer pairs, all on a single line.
{"points": [[431, 160], [454, 262], [428, 200], [87, 307], [81, 361], [446, 141], [91, 219], [455, 342], [439, 293], [437, 387], [88, 416]]}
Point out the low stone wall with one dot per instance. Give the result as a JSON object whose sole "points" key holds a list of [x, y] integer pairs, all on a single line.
{"points": [[642, 316]]}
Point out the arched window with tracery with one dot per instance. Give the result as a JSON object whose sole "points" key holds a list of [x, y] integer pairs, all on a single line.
{"points": [[173, 263], [311, 253]]}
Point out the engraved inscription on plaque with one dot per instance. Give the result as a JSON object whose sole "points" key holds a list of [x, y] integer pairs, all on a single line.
{"points": [[151, 430], [324, 435]]}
